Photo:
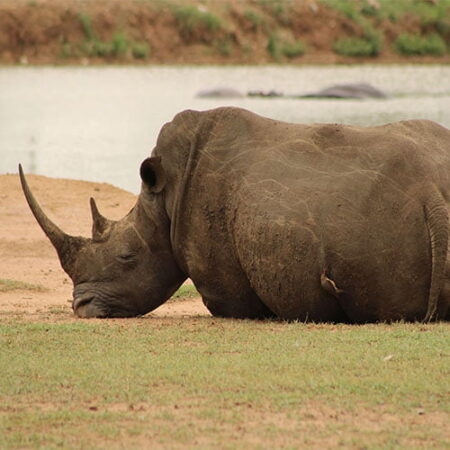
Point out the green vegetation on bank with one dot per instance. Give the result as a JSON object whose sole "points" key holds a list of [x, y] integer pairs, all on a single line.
{"points": [[413, 44], [207, 381], [118, 47], [367, 29]]}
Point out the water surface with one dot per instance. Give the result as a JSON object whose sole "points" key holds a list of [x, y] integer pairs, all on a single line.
{"points": [[99, 123]]}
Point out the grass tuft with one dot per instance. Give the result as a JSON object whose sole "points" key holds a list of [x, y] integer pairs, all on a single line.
{"points": [[193, 21], [293, 49], [86, 23], [15, 285], [140, 50], [358, 47], [273, 47], [186, 291], [256, 19]]}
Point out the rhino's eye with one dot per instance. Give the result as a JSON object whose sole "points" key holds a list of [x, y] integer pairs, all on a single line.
{"points": [[127, 258]]}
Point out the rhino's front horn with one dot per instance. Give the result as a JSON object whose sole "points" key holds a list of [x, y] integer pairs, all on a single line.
{"points": [[63, 243]]}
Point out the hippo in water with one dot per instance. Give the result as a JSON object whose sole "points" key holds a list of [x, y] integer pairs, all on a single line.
{"points": [[353, 90]]}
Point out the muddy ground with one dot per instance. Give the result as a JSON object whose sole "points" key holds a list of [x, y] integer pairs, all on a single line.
{"points": [[33, 285]]}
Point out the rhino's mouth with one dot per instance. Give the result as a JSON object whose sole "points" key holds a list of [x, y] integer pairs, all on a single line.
{"points": [[85, 307]]}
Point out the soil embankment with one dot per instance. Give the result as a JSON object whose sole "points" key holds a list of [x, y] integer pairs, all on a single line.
{"points": [[221, 32]]}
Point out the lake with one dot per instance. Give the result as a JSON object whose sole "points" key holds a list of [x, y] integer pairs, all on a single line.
{"points": [[99, 123]]}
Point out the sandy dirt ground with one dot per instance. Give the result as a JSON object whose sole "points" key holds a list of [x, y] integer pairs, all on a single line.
{"points": [[40, 289]]}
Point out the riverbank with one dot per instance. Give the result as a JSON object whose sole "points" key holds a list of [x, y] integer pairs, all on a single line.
{"points": [[228, 32]]}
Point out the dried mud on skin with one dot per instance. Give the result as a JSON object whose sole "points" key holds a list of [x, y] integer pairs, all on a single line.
{"points": [[44, 291]]}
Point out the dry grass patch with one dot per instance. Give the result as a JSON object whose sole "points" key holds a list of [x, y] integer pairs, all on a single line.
{"points": [[15, 285]]}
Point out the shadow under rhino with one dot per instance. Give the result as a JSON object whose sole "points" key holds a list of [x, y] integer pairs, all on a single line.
{"points": [[316, 222]]}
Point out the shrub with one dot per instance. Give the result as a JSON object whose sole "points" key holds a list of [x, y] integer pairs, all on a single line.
{"points": [[140, 50], [414, 44], [294, 49], [119, 44], [190, 19], [254, 18], [102, 49], [370, 45], [86, 23], [66, 50], [273, 46]]}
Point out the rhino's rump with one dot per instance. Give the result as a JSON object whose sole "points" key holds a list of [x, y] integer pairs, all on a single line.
{"points": [[360, 229]]}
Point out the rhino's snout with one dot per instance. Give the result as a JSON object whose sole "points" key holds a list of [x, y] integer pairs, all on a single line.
{"points": [[85, 307]]}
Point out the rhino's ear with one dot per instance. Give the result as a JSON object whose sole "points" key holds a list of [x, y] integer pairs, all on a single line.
{"points": [[153, 174]]}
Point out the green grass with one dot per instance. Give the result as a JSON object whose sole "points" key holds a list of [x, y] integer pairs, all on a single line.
{"points": [[118, 47], [293, 49], [140, 50], [86, 23], [278, 48], [210, 382], [273, 46], [186, 291], [15, 285], [255, 18], [359, 47], [413, 44], [192, 20], [428, 12], [279, 9]]}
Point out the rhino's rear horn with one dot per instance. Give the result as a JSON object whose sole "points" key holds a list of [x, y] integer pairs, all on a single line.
{"points": [[63, 243], [100, 224]]}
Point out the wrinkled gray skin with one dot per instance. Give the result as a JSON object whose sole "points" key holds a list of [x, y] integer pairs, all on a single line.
{"points": [[270, 219], [351, 90]]}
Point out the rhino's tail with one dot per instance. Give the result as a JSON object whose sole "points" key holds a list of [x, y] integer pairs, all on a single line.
{"points": [[436, 218]]}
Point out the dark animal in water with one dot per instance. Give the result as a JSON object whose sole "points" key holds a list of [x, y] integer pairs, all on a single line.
{"points": [[271, 219], [352, 90]]}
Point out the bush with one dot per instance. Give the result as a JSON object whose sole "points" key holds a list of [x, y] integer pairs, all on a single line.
{"points": [[273, 46], [191, 19], [254, 18], [102, 49], [86, 23], [370, 45], [119, 44], [414, 44], [140, 50], [66, 50], [294, 49]]}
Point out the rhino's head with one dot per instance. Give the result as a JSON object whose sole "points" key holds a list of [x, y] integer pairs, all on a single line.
{"points": [[127, 268]]}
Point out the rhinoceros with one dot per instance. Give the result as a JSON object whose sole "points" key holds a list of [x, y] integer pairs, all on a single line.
{"points": [[322, 222]]}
